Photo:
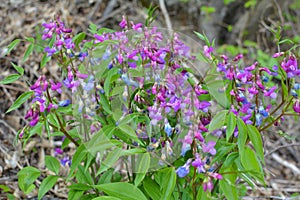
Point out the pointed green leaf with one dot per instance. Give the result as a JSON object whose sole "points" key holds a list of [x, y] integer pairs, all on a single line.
{"points": [[27, 53], [79, 155], [152, 188], [18, 68], [10, 79], [46, 185], [143, 165], [106, 198], [122, 190], [20, 100], [110, 160], [256, 140], [52, 164], [26, 177], [12, 45], [231, 124], [44, 60], [167, 182], [218, 120], [251, 164], [243, 134]]}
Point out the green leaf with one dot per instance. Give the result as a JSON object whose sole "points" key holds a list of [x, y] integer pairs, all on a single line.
{"points": [[28, 52], [107, 81], [26, 177], [30, 39], [226, 2], [228, 183], [18, 68], [152, 188], [44, 60], [127, 131], [80, 186], [231, 124], [105, 103], [10, 79], [284, 89], [218, 120], [52, 164], [106, 198], [203, 37], [251, 164], [228, 187], [79, 155], [83, 176], [122, 190], [77, 39], [167, 182], [256, 140], [243, 134], [75, 194], [223, 149], [12, 45], [110, 160], [142, 168], [21, 99], [46, 185]]}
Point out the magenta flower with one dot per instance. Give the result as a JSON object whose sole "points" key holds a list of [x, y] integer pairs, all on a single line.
{"points": [[207, 50], [278, 54], [208, 186], [199, 164], [271, 92], [209, 147], [296, 106], [123, 23]]}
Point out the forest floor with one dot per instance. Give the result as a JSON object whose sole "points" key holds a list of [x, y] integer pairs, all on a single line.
{"points": [[19, 19]]}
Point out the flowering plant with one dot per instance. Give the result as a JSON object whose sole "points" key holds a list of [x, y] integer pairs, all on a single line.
{"points": [[149, 118]]}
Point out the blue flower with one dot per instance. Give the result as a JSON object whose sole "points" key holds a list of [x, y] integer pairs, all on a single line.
{"points": [[184, 170], [168, 129], [263, 112], [259, 119], [64, 103], [297, 86]]}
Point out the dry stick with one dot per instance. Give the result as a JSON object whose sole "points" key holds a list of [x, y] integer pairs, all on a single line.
{"points": [[165, 13], [285, 163], [283, 146]]}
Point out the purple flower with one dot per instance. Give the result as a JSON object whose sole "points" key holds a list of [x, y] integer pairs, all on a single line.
{"points": [[238, 57], [199, 164], [50, 51], [59, 151], [123, 23], [203, 105], [271, 92], [207, 50], [66, 161], [278, 54], [208, 186], [56, 86], [209, 147], [296, 106], [69, 44]]}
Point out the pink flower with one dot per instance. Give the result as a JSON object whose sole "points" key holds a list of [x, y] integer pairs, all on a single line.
{"points": [[209, 148]]}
